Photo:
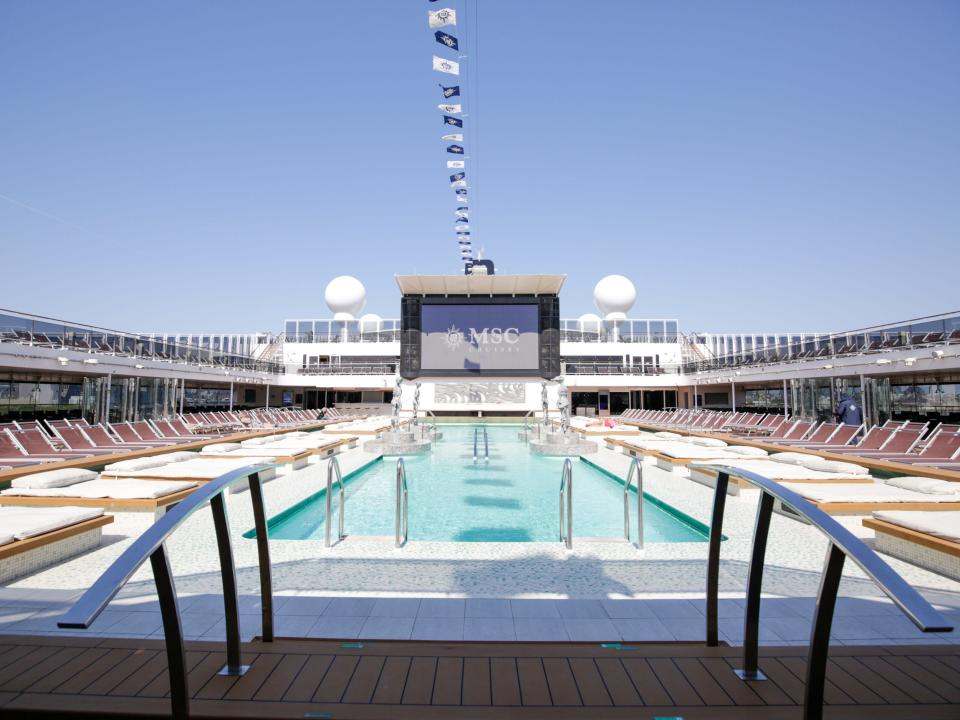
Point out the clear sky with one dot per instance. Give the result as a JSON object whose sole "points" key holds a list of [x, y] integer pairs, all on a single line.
{"points": [[749, 165]]}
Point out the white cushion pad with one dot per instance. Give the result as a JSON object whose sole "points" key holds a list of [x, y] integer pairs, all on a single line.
{"points": [[924, 485], [864, 493], [53, 478], [941, 524], [779, 471], [223, 447], [114, 489], [747, 451], [25, 522]]}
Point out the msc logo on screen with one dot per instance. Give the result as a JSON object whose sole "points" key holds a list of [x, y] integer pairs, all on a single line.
{"points": [[485, 338]]}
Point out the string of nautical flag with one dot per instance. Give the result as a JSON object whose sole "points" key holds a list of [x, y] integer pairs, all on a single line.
{"points": [[443, 22]]}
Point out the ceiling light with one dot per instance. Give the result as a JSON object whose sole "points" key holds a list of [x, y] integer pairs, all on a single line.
{"points": [[91, 361], [138, 367]]}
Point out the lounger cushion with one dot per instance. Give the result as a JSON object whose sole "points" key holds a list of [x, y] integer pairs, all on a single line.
{"points": [[863, 493], [941, 524], [25, 522], [820, 464], [791, 458], [708, 442], [137, 464], [669, 435], [252, 442], [114, 489], [53, 478], [924, 485], [221, 447], [5, 538], [296, 433], [747, 450], [179, 456]]}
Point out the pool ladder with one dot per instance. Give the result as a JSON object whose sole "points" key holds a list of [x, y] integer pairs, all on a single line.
{"points": [[486, 444], [334, 466], [566, 504], [401, 524], [635, 469]]}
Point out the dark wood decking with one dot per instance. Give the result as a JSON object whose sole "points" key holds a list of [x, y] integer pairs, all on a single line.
{"points": [[305, 678]]}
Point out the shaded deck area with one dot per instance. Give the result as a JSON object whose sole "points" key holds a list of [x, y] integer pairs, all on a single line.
{"points": [[288, 678]]}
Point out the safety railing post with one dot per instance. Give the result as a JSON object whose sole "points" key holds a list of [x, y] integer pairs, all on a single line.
{"points": [[263, 557], [228, 575], [333, 467], [566, 505], [713, 559], [820, 633], [636, 467], [751, 617], [173, 635]]}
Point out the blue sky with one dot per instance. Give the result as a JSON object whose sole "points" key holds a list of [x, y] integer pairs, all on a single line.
{"points": [[749, 165]]}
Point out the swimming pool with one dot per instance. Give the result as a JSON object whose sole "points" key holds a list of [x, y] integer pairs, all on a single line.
{"points": [[511, 498]]}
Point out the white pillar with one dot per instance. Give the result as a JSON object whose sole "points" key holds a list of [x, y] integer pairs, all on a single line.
{"points": [[268, 396], [786, 405], [733, 396], [231, 396], [183, 391]]}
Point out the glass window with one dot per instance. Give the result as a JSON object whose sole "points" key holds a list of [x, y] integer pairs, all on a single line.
{"points": [[656, 330]]}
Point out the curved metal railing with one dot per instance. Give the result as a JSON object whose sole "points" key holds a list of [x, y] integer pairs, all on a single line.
{"points": [[149, 546], [566, 504], [842, 545], [636, 468], [334, 465], [401, 523]]}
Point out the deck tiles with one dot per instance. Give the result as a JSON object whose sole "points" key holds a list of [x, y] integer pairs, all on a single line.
{"points": [[405, 679]]}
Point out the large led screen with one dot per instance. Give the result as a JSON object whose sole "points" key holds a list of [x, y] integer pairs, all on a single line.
{"points": [[480, 338]]}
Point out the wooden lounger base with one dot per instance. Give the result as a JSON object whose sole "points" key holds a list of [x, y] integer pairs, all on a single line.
{"points": [[24, 557], [938, 555], [134, 505]]}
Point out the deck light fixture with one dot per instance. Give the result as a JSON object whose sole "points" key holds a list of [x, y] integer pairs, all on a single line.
{"points": [[884, 361], [63, 360], [91, 361], [138, 367]]}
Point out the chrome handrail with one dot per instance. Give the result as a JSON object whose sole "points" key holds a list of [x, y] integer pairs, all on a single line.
{"points": [[486, 446], [150, 546], [401, 526], [476, 435], [843, 544], [635, 468], [334, 464], [566, 504]]}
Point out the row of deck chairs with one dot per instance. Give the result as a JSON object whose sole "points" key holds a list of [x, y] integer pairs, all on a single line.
{"points": [[36, 441], [909, 442]]}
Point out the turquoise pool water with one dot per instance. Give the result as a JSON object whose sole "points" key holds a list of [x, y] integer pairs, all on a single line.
{"points": [[511, 498]]}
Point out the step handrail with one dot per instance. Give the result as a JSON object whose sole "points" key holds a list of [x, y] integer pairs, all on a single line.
{"points": [[476, 436], [401, 524], [636, 468], [566, 504], [842, 544], [334, 465], [486, 446], [150, 546]]}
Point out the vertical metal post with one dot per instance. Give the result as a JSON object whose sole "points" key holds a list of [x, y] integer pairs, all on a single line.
{"points": [[566, 505], [106, 399], [786, 404], [263, 558], [733, 396], [231, 396], [401, 521], [713, 558], [820, 633], [183, 392], [635, 467], [231, 608], [267, 402], [172, 634], [334, 465], [751, 618]]}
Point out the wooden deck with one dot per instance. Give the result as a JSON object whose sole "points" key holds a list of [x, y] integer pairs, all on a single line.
{"points": [[402, 679]]}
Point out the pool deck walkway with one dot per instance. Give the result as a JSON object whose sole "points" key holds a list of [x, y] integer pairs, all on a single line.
{"points": [[402, 679]]}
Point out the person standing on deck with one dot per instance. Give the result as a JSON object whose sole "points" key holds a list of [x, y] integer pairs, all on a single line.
{"points": [[848, 412]]}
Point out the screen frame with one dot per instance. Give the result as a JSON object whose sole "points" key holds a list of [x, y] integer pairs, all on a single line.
{"points": [[536, 300]]}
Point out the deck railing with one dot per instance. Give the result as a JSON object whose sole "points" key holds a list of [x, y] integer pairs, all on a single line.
{"points": [[842, 545], [150, 546]]}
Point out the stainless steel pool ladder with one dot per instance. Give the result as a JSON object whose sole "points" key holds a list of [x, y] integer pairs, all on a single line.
{"points": [[334, 465], [486, 444], [635, 468], [401, 525], [566, 505]]}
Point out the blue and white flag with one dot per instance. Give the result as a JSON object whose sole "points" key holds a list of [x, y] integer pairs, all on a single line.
{"points": [[462, 207], [449, 92], [451, 109], [457, 176], [446, 66], [458, 183], [455, 149], [452, 121], [461, 228], [446, 40], [441, 18], [456, 137], [456, 164]]}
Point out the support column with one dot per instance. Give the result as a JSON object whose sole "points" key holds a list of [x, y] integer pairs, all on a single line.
{"points": [[786, 405], [733, 396], [183, 391], [267, 403], [231, 396]]}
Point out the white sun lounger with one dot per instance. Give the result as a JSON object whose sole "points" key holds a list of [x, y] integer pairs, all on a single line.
{"points": [[200, 470], [33, 538], [131, 495], [930, 540], [863, 498]]}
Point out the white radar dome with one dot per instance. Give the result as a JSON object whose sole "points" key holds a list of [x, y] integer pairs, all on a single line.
{"points": [[614, 295], [371, 322], [345, 296], [589, 323]]}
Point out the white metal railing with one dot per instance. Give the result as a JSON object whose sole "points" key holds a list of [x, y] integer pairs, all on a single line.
{"points": [[401, 524], [333, 466], [566, 504], [636, 468]]}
